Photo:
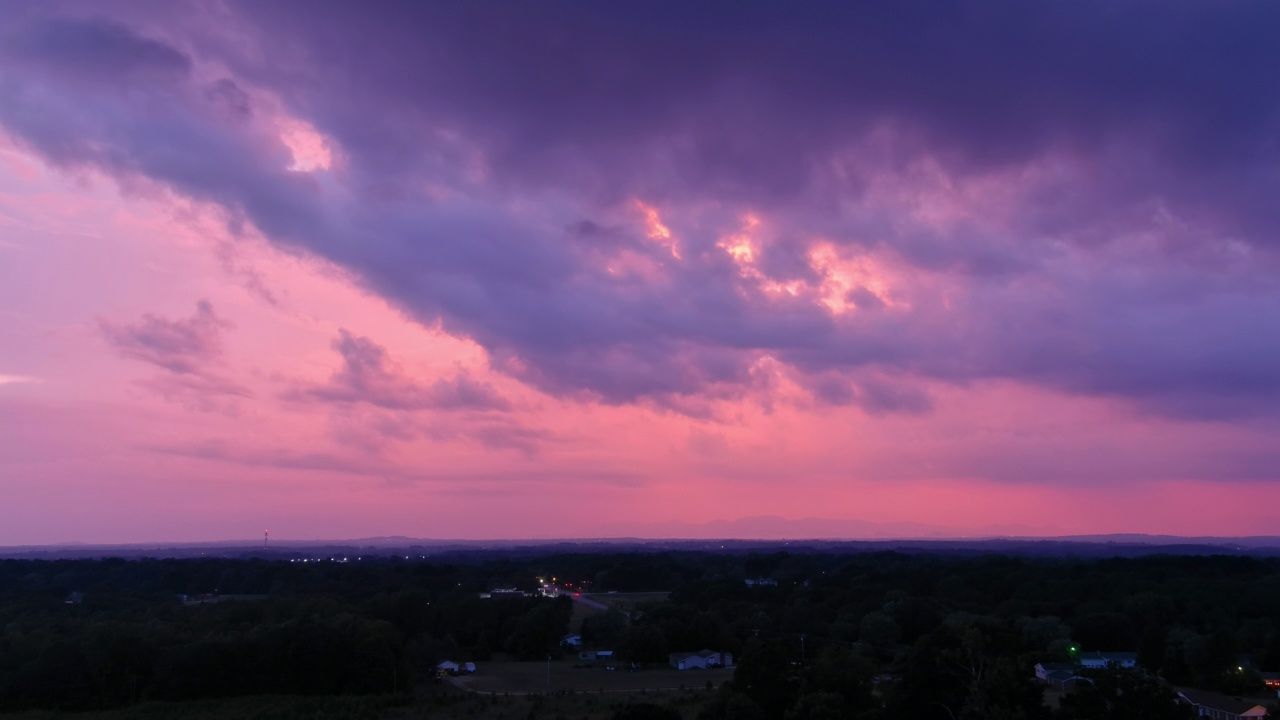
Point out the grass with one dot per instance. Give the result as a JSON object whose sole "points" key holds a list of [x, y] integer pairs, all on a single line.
{"points": [[531, 677], [627, 602], [438, 703]]}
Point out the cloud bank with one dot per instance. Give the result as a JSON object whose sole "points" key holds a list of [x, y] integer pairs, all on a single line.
{"points": [[649, 203]]}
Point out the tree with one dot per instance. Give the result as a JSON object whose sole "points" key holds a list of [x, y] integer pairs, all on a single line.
{"points": [[879, 630], [765, 676], [1122, 695], [605, 628], [646, 711], [644, 643]]}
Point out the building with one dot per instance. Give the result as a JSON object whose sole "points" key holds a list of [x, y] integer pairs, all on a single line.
{"points": [[699, 660], [1221, 707], [571, 640], [447, 667], [1109, 659], [504, 593], [595, 655], [1043, 669], [1062, 676]]}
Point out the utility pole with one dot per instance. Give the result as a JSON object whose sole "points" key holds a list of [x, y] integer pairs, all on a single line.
{"points": [[548, 671]]}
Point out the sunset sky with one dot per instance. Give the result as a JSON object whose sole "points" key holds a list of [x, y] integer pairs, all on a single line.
{"points": [[595, 269]]}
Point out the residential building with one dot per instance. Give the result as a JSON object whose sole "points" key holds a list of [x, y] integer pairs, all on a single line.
{"points": [[1109, 659], [699, 660], [1221, 707]]}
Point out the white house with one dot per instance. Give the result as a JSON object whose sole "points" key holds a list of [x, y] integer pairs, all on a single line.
{"points": [[1109, 659], [468, 667], [448, 666], [699, 660], [1221, 707]]}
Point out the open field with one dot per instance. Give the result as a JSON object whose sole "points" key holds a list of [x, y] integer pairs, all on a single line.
{"points": [[581, 611], [532, 677], [627, 602], [439, 704]]}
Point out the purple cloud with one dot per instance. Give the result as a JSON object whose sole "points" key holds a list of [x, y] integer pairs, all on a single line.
{"points": [[369, 376], [185, 346], [189, 350], [1078, 197]]}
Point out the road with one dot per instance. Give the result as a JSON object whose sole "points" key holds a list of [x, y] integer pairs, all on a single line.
{"points": [[578, 598]]}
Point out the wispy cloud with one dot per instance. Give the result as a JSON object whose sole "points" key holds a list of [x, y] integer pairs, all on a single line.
{"points": [[393, 404], [189, 350], [15, 379], [368, 375]]}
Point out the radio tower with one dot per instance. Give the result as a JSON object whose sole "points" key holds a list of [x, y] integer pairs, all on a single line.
{"points": [[265, 534]]}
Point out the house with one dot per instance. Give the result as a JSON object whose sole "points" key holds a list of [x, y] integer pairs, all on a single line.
{"points": [[1221, 707], [1043, 669], [1063, 676], [503, 593], [1065, 680], [571, 640], [467, 668], [448, 666], [595, 655], [699, 660], [1271, 680], [1109, 659]]}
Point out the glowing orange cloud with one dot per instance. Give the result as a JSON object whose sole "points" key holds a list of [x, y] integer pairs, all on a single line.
{"points": [[655, 228]]}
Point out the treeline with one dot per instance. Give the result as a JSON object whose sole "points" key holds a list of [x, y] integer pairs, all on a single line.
{"points": [[82, 634], [958, 637], [877, 635]]}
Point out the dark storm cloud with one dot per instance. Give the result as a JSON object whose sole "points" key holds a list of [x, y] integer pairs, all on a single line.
{"points": [[1112, 170]]}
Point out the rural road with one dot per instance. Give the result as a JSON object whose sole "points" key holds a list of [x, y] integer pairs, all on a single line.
{"points": [[589, 602]]}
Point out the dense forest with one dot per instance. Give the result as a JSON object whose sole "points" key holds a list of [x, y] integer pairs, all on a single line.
{"points": [[827, 635]]}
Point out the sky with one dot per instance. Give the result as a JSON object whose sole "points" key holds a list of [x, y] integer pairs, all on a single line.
{"points": [[575, 269]]}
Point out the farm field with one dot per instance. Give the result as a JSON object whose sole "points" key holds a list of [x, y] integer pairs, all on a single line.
{"points": [[531, 677]]}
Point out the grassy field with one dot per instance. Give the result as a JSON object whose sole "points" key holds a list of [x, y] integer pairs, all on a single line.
{"points": [[627, 602], [526, 677], [439, 704], [581, 611]]}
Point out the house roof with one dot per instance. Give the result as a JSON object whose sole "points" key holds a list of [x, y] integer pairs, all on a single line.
{"points": [[1110, 656], [1061, 675], [1216, 701]]}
